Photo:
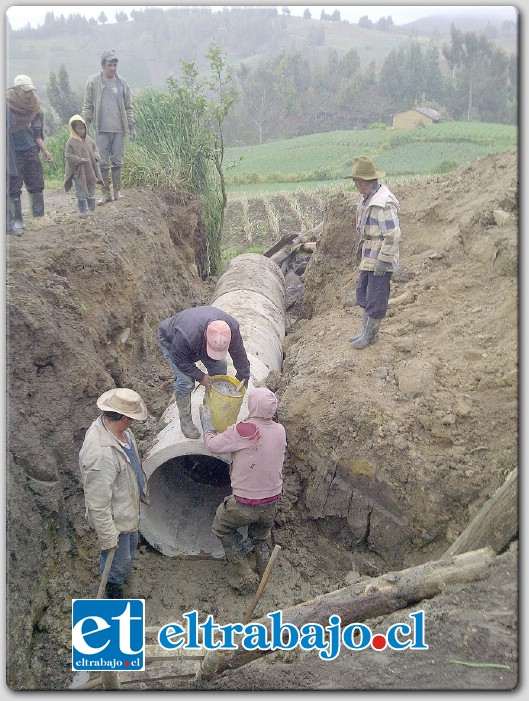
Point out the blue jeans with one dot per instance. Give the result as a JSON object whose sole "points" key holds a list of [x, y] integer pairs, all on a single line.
{"points": [[83, 199], [123, 557], [185, 384], [372, 293]]}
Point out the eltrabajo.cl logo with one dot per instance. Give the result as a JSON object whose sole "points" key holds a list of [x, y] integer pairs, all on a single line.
{"points": [[108, 634]]}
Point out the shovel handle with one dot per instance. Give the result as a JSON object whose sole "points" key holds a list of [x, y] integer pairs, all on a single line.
{"points": [[106, 570], [262, 584], [210, 664]]}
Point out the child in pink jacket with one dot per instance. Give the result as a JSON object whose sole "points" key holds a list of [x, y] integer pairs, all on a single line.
{"points": [[258, 447]]}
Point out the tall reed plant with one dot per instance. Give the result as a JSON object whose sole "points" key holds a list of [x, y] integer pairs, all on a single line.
{"points": [[173, 150]]}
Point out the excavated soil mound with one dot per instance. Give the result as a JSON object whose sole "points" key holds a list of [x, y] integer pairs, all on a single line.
{"points": [[392, 449]]}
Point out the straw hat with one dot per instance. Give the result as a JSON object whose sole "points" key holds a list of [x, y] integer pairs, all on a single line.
{"points": [[364, 169], [123, 401]]}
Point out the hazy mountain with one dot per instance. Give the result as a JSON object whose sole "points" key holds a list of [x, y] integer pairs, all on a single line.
{"points": [[151, 43], [440, 24]]}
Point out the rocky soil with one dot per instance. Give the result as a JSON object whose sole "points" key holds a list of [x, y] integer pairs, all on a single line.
{"points": [[392, 450]]}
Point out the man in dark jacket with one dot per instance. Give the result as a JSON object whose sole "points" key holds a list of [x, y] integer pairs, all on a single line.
{"points": [[207, 334], [12, 226], [26, 121]]}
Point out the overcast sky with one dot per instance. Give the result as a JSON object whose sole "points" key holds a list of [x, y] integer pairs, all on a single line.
{"points": [[20, 15]]}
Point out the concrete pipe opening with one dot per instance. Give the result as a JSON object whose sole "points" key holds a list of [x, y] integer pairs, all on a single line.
{"points": [[186, 482], [185, 492]]}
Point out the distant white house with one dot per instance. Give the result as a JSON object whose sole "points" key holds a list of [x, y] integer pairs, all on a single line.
{"points": [[415, 116]]}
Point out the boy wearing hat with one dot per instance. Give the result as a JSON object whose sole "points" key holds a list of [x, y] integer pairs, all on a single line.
{"points": [[377, 223], [203, 333], [114, 482], [108, 108], [81, 157], [26, 125]]}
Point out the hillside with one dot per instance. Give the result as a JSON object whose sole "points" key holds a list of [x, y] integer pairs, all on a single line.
{"points": [[151, 46], [488, 21], [392, 450]]}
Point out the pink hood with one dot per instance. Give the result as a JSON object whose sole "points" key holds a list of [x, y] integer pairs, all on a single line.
{"points": [[257, 446], [262, 403]]}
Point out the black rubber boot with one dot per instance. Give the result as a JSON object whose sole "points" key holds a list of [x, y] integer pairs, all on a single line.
{"points": [[116, 183], [16, 205], [105, 189], [37, 203], [364, 322], [114, 591], [11, 228]]}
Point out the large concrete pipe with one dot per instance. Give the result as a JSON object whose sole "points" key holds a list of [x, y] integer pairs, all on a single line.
{"points": [[186, 482]]}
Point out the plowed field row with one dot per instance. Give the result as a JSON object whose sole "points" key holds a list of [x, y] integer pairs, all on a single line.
{"points": [[256, 222]]}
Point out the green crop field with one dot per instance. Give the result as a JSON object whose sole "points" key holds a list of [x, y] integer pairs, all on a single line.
{"points": [[329, 157], [280, 188]]}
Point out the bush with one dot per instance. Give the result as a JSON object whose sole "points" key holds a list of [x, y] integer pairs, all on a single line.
{"points": [[56, 145], [445, 167]]}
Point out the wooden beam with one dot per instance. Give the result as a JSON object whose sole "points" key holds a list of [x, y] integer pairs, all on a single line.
{"points": [[286, 251], [377, 597], [495, 524]]}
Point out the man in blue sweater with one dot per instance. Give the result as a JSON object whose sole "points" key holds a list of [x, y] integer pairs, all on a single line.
{"points": [[203, 333]]}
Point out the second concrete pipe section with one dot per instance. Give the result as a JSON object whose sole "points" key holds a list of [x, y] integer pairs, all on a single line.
{"points": [[186, 482]]}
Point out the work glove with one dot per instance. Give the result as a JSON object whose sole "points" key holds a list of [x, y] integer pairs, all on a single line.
{"points": [[359, 249], [205, 418], [380, 268], [132, 132]]}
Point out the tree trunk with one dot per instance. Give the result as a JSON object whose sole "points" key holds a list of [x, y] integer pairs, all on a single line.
{"points": [[377, 597], [495, 524]]}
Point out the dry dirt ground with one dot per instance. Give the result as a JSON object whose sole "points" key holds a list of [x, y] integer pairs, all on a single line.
{"points": [[392, 450]]}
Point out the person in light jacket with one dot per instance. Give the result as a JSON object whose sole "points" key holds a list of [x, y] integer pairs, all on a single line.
{"points": [[108, 108], [257, 446], [114, 482]]}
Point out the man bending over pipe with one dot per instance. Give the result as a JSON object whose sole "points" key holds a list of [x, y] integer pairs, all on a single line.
{"points": [[200, 333], [257, 446]]}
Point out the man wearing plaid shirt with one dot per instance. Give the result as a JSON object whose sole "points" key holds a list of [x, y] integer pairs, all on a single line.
{"points": [[377, 223]]}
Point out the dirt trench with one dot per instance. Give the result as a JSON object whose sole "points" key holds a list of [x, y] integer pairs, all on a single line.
{"points": [[392, 450]]}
